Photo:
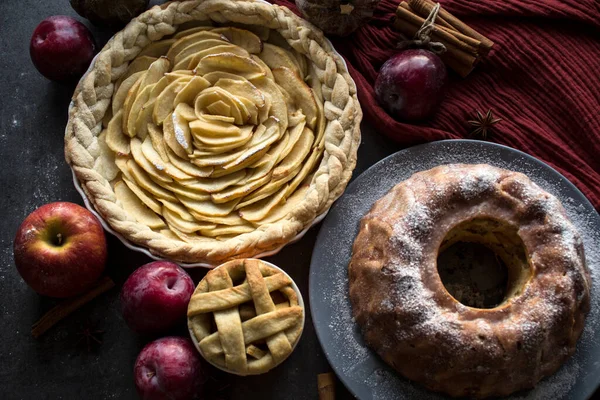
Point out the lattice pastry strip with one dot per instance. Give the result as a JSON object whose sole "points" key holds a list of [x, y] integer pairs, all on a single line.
{"points": [[245, 317]]}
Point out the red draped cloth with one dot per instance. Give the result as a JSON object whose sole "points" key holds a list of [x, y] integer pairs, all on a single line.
{"points": [[542, 78]]}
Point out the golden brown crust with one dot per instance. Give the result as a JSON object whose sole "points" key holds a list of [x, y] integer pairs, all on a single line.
{"points": [[409, 318], [93, 95]]}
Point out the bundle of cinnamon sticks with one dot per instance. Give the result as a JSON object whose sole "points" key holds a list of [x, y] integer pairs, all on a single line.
{"points": [[464, 46]]}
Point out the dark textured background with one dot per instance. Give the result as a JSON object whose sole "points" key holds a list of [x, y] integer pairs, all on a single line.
{"points": [[33, 115]]}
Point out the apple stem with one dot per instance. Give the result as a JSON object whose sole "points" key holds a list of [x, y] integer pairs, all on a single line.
{"points": [[59, 239]]}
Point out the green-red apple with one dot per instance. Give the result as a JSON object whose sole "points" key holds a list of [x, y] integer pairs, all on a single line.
{"points": [[60, 249]]}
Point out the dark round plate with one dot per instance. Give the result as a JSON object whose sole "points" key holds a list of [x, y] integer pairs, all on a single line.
{"points": [[359, 368]]}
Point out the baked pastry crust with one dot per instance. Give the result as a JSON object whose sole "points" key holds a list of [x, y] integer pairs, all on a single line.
{"points": [[90, 159], [245, 317], [418, 328]]}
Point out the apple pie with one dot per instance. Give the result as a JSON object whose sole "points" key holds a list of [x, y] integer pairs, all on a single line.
{"points": [[245, 317], [212, 130]]}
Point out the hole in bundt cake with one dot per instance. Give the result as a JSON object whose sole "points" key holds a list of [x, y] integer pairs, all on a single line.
{"points": [[482, 263]]}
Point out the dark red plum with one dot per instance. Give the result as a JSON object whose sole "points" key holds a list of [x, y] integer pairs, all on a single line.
{"points": [[155, 297], [62, 48], [169, 368], [410, 85]]}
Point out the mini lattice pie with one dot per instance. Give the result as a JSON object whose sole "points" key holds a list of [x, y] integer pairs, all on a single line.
{"points": [[213, 130], [245, 317]]}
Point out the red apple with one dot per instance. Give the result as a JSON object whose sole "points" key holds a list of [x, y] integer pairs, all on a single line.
{"points": [[155, 297], [62, 48], [169, 368], [410, 85], [60, 249]]}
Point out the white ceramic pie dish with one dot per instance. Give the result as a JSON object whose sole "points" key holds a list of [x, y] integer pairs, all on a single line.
{"points": [[300, 303], [144, 250]]}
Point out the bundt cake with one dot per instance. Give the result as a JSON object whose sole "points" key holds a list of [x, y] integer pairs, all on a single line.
{"points": [[416, 326]]}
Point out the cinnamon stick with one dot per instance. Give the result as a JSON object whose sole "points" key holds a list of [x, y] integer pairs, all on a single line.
{"points": [[440, 34], [439, 20], [326, 386], [66, 307], [456, 58], [423, 8]]}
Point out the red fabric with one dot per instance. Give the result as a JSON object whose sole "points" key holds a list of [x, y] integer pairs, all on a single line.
{"points": [[542, 78]]}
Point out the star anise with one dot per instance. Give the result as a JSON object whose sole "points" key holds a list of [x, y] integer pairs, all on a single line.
{"points": [[90, 335], [483, 124]]}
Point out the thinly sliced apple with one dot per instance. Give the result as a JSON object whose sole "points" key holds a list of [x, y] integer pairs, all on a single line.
{"points": [[135, 111], [156, 72], [156, 136], [232, 63], [244, 89], [152, 155], [279, 109], [277, 57], [264, 66], [115, 138], [143, 195], [185, 111], [270, 188], [306, 170], [300, 92], [189, 40], [192, 61], [230, 220], [213, 77], [294, 136], [165, 102], [189, 92], [203, 128], [176, 142], [217, 101], [197, 47], [241, 37], [174, 220], [177, 208], [179, 190], [282, 210], [208, 208], [221, 144], [262, 208], [142, 179], [219, 105], [225, 230], [157, 49], [128, 103], [135, 208], [237, 192], [120, 94], [139, 64], [186, 166], [296, 156], [213, 185], [155, 171]]}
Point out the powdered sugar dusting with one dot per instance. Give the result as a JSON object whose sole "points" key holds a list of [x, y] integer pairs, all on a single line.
{"points": [[361, 369], [179, 134]]}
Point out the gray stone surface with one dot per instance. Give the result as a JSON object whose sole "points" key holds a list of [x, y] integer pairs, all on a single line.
{"points": [[33, 115]]}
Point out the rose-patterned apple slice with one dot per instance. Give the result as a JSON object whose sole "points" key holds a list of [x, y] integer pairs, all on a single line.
{"points": [[146, 197], [241, 37], [302, 95], [132, 204], [189, 40], [157, 49], [276, 57], [231, 63]]}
